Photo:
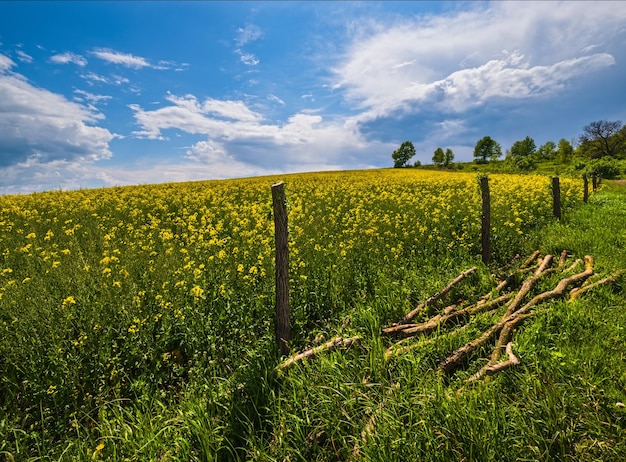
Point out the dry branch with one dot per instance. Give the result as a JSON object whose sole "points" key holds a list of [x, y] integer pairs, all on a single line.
{"points": [[510, 320], [531, 259], [449, 314], [409, 317], [492, 369], [528, 285], [330, 345], [577, 292]]}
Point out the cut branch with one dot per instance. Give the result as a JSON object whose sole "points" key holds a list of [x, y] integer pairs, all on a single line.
{"points": [[528, 285], [409, 317], [448, 315], [492, 369], [509, 321], [577, 292], [330, 345]]}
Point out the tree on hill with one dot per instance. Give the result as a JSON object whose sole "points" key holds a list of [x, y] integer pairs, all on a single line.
{"points": [[523, 148], [521, 154], [438, 157], [448, 157], [547, 151], [564, 151], [603, 138], [403, 154], [487, 149]]}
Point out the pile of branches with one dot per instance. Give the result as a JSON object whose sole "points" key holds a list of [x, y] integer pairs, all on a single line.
{"points": [[511, 295], [514, 295]]}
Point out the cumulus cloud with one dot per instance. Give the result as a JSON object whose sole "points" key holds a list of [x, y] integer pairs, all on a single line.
{"points": [[68, 57], [239, 134], [6, 63], [37, 125], [464, 58]]}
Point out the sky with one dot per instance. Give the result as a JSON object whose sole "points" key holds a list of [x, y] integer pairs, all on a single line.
{"points": [[96, 94]]}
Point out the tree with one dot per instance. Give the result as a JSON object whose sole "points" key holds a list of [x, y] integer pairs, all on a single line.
{"points": [[487, 148], [523, 148], [448, 157], [548, 151], [439, 157], [603, 138], [564, 151], [403, 154]]}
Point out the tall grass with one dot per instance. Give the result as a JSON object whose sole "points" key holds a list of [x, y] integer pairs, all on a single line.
{"points": [[136, 323]]}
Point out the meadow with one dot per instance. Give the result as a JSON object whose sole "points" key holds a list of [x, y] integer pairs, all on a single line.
{"points": [[136, 323]]}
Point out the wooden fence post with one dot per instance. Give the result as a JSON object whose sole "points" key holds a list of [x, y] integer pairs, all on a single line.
{"points": [[486, 219], [283, 316], [585, 188], [556, 197]]}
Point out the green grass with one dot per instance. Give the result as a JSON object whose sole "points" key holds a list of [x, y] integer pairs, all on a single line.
{"points": [[223, 401]]}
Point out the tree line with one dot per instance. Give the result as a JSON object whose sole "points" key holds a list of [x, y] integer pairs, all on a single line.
{"points": [[600, 149]]}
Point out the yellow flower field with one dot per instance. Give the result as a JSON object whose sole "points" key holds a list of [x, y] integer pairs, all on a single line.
{"points": [[109, 292]]}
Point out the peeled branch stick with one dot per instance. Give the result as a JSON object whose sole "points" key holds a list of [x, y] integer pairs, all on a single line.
{"points": [[492, 369], [528, 285], [398, 328], [573, 266], [531, 259], [562, 259], [410, 330], [577, 292], [398, 350], [330, 345], [516, 318], [409, 317], [456, 359]]}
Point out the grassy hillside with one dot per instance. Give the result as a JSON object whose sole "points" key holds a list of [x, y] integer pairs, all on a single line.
{"points": [[136, 323]]}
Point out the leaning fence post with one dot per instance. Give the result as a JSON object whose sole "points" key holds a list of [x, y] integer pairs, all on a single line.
{"points": [[486, 219], [283, 317], [556, 197], [585, 188]]}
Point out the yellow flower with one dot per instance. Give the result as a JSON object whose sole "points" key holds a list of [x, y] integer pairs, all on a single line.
{"points": [[197, 291], [69, 301]]}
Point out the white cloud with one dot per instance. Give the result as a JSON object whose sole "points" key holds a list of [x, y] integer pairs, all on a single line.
{"points": [[275, 99], [92, 77], [247, 34], [24, 57], [237, 134], [91, 98], [68, 57], [247, 58], [124, 59], [5, 63], [37, 125], [457, 60]]}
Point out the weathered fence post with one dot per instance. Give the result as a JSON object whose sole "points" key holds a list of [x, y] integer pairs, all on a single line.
{"points": [[283, 317], [585, 188], [486, 219], [556, 197]]}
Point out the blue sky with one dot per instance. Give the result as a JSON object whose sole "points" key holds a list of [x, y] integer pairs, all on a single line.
{"points": [[97, 94]]}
